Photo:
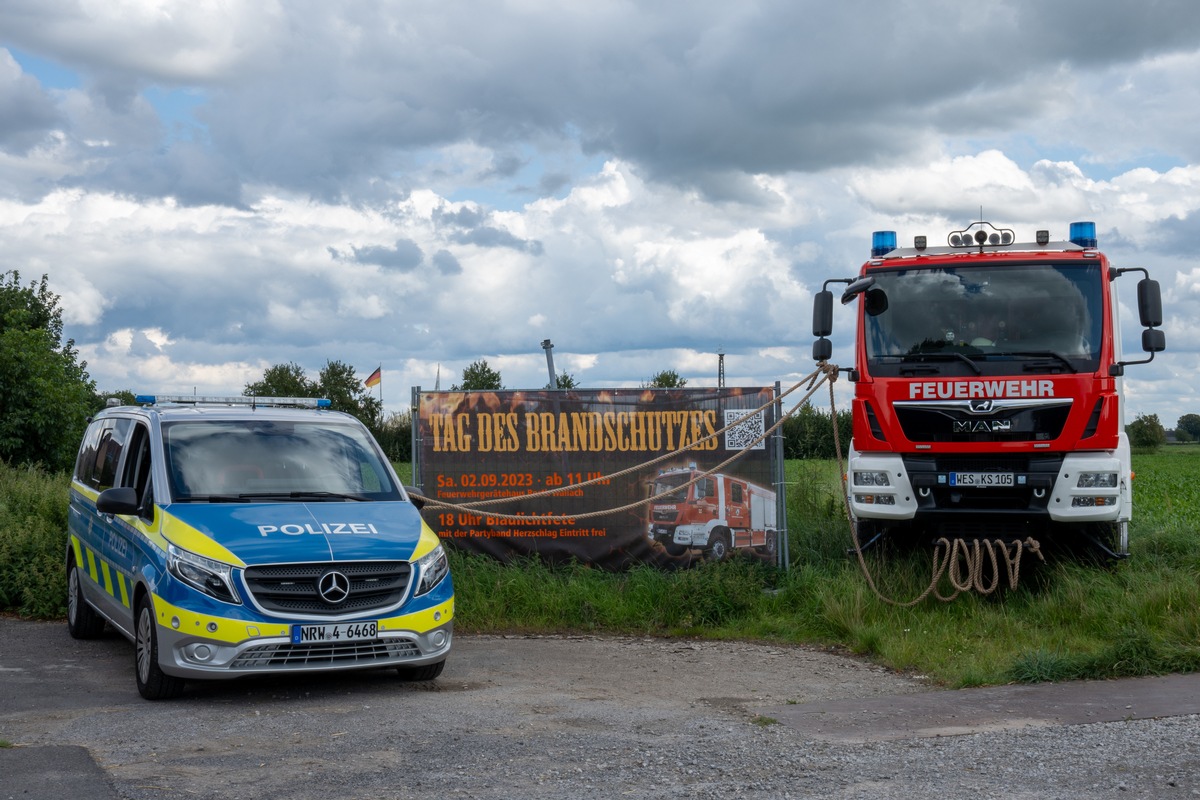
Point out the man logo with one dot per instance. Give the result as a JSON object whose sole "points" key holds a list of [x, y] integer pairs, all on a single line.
{"points": [[981, 406], [983, 426]]}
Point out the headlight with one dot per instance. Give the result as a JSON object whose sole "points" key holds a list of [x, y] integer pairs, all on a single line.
{"points": [[431, 568], [202, 574], [1097, 480], [872, 479]]}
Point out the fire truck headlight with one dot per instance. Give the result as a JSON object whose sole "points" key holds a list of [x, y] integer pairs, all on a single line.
{"points": [[1097, 480], [872, 479]]}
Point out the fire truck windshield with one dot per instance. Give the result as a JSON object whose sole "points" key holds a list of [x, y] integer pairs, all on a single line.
{"points": [[980, 319], [665, 483]]}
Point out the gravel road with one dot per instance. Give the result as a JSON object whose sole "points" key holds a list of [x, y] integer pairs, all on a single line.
{"points": [[570, 717]]}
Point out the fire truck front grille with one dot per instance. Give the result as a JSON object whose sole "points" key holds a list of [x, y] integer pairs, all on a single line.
{"points": [[922, 423], [665, 516]]}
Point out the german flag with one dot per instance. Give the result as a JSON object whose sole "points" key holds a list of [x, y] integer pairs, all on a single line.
{"points": [[375, 377]]}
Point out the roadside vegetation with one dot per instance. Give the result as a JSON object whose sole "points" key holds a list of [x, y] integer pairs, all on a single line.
{"points": [[1069, 618]]}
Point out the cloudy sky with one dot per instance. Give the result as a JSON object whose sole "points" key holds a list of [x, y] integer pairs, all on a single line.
{"points": [[216, 187]]}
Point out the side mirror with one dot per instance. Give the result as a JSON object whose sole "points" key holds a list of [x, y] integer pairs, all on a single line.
{"points": [[412, 491], [1154, 340], [822, 349], [121, 500], [822, 322], [1149, 304]]}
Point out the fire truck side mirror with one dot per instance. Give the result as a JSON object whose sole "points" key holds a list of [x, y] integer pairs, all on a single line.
{"points": [[1154, 340], [1149, 304], [822, 349], [822, 321]]}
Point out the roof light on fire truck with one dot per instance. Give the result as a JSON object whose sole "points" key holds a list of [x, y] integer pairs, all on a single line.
{"points": [[882, 243], [1043, 238], [920, 242], [1083, 234]]}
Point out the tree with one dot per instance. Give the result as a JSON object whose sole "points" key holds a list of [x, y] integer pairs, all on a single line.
{"points": [[45, 392], [1191, 424], [667, 379], [346, 392], [1146, 432], [282, 380], [564, 380], [336, 382], [478, 376]]}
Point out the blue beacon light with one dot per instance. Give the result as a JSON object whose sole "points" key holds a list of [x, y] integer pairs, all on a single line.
{"points": [[1083, 234], [884, 242]]}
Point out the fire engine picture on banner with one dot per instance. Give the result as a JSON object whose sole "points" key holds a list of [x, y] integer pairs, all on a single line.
{"points": [[491, 450]]}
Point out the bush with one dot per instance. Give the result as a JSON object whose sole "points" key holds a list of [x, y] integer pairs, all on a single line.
{"points": [[33, 540]]}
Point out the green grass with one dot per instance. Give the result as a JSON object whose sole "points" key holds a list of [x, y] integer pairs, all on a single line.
{"points": [[1067, 619]]}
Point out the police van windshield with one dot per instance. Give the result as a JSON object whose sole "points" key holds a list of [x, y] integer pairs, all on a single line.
{"points": [[254, 460], [980, 319]]}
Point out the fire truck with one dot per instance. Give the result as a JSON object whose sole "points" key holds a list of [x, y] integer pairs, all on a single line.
{"points": [[988, 387], [716, 513]]}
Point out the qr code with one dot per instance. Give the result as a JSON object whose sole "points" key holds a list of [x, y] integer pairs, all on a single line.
{"points": [[741, 435]]}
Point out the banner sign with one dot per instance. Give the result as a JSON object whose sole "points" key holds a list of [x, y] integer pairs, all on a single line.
{"points": [[491, 450]]}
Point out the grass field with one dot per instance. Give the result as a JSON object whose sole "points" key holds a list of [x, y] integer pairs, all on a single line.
{"points": [[1066, 619]]}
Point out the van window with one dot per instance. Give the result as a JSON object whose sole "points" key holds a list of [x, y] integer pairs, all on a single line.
{"points": [[101, 453]]}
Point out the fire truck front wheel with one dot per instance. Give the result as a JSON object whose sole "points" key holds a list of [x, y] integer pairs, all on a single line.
{"points": [[718, 544]]}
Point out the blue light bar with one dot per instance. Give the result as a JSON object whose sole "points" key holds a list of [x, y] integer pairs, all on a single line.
{"points": [[882, 243], [1083, 234], [239, 400]]}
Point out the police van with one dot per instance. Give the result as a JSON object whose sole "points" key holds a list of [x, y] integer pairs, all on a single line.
{"points": [[231, 537]]}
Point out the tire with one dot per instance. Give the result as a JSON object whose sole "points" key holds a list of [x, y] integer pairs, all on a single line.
{"points": [[718, 545], [772, 543], [674, 549], [82, 620], [426, 672], [152, 682]]}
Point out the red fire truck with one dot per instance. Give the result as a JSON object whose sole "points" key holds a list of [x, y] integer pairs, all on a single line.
{"points": [[716, 513], [988, 387]]}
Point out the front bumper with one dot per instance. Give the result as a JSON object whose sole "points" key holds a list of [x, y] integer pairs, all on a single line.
{"points": [[238, 648]]}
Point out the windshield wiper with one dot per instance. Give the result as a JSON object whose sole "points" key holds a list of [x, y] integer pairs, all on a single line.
{"points": [[942, 356], [1058, 359], [246, 497]]}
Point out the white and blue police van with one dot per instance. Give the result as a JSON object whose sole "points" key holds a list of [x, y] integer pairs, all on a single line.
{"points": [[233, 537]]}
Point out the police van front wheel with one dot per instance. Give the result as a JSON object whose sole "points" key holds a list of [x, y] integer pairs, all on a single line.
{"points": [[152, 682], [425, 672]]}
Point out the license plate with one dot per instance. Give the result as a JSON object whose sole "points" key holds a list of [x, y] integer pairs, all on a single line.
{"points": [[343, 632], [981, 480]]}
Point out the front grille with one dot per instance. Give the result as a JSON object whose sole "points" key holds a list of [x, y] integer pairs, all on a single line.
{"points": [[925, 423], [291, 589], [325, 654], [665, 516]]}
